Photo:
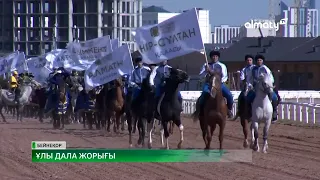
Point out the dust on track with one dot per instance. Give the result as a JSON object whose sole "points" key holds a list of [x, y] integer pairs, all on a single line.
{"points": [[294, 153]]}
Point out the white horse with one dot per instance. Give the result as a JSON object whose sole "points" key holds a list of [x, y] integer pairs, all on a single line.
{"points": [[261, 111], [7, 98]]}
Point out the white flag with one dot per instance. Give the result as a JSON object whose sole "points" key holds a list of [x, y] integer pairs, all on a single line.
{"points": [[177, 36], [109, 67], [89, 51], [36, 65], [18, 63]]}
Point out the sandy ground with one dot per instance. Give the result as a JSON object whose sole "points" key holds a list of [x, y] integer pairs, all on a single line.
{"points": [[294, 153]]}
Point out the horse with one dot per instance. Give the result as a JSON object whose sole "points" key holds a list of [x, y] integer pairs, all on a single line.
{"points": [[60, 98], [114, 103], [169, 107], [7, 99], [143, 110], [90, 111], [261, 111], [214, 112], [39, 97], [244, 112]]}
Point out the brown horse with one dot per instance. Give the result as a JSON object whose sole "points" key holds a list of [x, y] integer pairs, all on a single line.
{"points": [[114, 108], [214, 112], [244, 112]]}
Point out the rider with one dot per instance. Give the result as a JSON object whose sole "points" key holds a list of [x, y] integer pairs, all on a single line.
{"points": [[139, 73], [246, 76], [215, 65], [14, 85], [157, 80], [54, 80], [258, 69]]}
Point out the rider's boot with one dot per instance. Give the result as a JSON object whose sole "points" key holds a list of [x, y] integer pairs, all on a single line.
{"points": [[230, 114], [275, 111], [200, 105]]}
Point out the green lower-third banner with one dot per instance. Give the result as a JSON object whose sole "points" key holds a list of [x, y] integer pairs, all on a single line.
{"points": [[140, 155]]}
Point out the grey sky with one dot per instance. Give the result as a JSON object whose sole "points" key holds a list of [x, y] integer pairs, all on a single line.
{"points": [[232, 12]]}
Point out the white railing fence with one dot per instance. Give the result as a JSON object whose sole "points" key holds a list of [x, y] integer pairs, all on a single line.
{"points": [[295, 111], [292, 96]]}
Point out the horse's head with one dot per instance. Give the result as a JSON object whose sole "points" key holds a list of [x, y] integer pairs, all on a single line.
{"points": [[265, 83], [215, 84], [145, 86], [118, 82], [178, 76]]}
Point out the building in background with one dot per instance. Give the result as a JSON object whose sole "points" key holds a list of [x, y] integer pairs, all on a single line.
{"points": [[6, 28], [307, 26], [224, 33], [280, 14], [40, 25], [310, 4], [155, 15]]}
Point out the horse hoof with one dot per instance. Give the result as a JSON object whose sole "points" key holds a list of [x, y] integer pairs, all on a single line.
{"points": [[256, 149], [179, 145], [130, 145], [149, 145], [245, 144]]}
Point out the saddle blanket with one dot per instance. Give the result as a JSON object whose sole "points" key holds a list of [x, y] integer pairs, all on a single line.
{"points": [[10, 95]]}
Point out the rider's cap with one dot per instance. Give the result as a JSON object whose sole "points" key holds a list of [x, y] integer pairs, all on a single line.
{"points": [[15, 72], [248, 56], [259, 56], [138, 59], [213, 53]]}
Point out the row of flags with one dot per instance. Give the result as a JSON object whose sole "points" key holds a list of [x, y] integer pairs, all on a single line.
{"points": [[103, 59]]}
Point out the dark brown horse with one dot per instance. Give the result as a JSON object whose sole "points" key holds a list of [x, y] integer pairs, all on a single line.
{"points": [[90, 113], [244, 112], [60, 112], [114, 100], [214, 112]]}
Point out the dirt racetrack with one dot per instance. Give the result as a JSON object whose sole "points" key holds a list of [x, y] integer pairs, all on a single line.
{"points": [[294, 153]]}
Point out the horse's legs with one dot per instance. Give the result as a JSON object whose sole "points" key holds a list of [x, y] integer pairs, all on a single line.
{"points": [[150, 129], [129, 121], [140, 124], [244, 124], [3, 118], [18, 113], [108, 121], [255, 133], [85, 118], [118, 121], [161, 134], [166, 132], [221, 133], [62, 118], [181, 128], [21, 109], [134, 124], [171, 127], [90, 119], [265, 136], [123, 121], [204, 130]]}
